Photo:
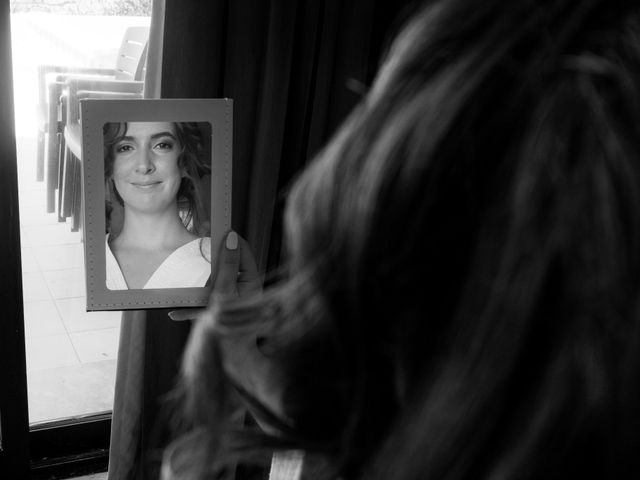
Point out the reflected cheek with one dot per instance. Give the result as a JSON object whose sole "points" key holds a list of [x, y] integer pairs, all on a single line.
{"points": [[119, 173], [172, 174], [118, 182]]}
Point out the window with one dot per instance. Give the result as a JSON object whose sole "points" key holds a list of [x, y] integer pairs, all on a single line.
{"points": [[70, 354]]}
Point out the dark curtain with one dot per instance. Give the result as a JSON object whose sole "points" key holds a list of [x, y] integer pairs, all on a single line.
{"points": [[294, 70]]}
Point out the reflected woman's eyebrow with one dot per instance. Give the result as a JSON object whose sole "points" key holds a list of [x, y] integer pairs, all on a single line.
{"points": [[129, 138], [163, 134]]}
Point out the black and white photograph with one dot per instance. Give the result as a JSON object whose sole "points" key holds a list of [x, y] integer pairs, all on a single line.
{"points": [[320, 240]]}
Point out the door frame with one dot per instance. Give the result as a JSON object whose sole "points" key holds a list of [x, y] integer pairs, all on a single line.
{"points": [[14, 430]]}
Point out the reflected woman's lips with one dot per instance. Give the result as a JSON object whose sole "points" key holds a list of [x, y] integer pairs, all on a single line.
{"points": [[145, 184]]}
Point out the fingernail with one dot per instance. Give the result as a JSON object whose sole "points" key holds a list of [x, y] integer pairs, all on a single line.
{"points": [[232, 241], [171, 315]]}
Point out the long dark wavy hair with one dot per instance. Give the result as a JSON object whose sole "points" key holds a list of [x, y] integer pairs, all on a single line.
{"points": [[192, 162], [463, 289]]}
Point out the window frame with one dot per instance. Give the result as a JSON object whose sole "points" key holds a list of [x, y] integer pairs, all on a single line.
{"points": [[14, 428], [70, 447]]}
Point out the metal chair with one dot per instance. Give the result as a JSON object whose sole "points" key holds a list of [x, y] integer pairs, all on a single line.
{"points": [[53, 82], [69, 193]]}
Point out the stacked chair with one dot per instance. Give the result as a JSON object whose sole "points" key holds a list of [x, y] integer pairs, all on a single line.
{"points": [[59, 158]]}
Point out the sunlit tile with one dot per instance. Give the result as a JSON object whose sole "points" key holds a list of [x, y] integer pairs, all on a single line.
{"points": [[70, 391], [36, 215], [42, 319], [95, 476], [31, 194], [50, 352], [76, 318], [58, 234], [65, 283], [59, 257], [29, 263], [27, 186], [25, 241], [34, 287], [96, 345]]}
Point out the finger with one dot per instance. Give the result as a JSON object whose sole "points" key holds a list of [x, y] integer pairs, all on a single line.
{"points": [[227, 266], [249, 281], [185, 314]]}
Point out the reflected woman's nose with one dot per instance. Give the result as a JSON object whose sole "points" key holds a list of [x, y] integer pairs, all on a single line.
{"points": [[144, 163]]}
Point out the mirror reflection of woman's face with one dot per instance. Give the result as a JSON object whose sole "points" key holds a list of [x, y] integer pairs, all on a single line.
{"points": [[145, 166]]}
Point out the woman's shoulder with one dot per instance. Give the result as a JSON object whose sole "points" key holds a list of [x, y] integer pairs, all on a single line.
{"points": [[199, 247], [188, 266]]}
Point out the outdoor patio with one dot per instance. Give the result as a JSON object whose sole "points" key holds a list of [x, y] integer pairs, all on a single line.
{"points": [[71, 354]]}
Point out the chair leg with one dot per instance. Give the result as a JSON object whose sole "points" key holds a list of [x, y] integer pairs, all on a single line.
{"points": [[76, 209], [67, 184], [53, 162], [61, 163], [81, 211], [40, 157], [52, 174]]}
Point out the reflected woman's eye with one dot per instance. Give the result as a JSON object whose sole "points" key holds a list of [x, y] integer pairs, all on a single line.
{"points": [[165, 146], [123, 148]]}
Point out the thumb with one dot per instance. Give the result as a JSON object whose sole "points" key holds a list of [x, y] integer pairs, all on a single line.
{"points": [[227, 266]]}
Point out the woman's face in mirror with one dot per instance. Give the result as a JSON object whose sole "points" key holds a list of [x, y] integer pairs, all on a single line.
{"points": [[145, 166]]}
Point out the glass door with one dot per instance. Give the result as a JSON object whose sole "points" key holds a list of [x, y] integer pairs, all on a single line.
{"points": [[70, 354]]}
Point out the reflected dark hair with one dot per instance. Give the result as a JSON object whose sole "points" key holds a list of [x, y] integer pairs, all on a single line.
{"points": [[192, 162], [464, 277]]}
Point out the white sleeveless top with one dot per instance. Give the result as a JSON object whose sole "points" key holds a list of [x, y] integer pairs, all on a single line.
{"points": [[188, 266]]}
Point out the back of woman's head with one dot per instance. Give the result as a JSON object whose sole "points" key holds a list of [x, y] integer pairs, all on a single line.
{"points": [[465, 253]]}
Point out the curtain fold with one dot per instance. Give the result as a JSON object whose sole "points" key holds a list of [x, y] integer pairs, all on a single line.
{"points": [[294, 70]]}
